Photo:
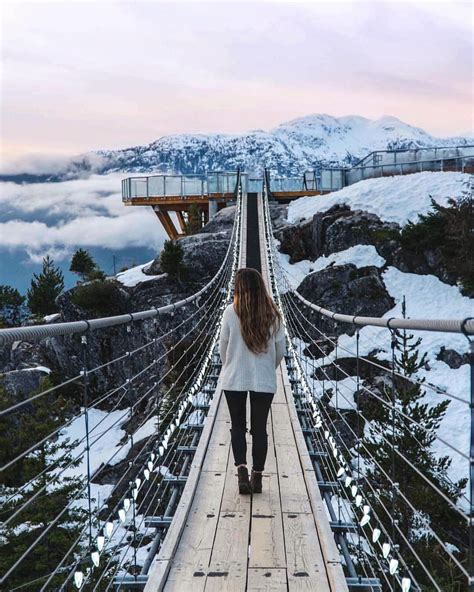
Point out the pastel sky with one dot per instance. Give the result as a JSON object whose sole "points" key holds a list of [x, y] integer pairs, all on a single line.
{"points": [[85, 75]]}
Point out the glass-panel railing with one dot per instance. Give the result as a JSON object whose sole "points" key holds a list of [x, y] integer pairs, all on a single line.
{"points": [[222, 182], [156, 186], [138, 187], [286, 184], [255, 185], [193, 186], [173, 185]]}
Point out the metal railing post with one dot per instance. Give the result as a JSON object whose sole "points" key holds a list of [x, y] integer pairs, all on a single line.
{"points": [[471, 470], [85, 387], [471, 459]]}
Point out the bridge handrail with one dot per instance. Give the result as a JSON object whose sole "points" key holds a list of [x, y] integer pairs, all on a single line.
{"points": [[465, 326], [415, 149], [30, 332]]}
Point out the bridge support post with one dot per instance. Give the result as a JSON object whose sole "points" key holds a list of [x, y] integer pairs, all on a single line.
{"points": [[165, 219], [212, 208]]}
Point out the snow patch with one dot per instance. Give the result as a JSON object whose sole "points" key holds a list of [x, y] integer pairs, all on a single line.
{"points": [[428, 297], [40, 368], [358, 255], [135, 275], [105, 433], [52, 317], [393, 199]]}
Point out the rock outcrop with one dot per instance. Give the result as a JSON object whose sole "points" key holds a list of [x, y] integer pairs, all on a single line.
{"points": [[345, 289], [340, 228], [335, 230]]}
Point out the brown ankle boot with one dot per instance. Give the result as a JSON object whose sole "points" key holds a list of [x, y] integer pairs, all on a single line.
{"points": [[256, 482], [244, 483]]}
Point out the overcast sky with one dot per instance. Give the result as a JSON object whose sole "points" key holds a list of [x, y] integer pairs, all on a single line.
{"points": [[78, 76]]}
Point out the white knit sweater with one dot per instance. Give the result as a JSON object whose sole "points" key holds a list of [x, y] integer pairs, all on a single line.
{"points": [[243, 370]]}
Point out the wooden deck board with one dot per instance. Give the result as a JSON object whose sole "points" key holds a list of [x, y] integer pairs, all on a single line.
{"points": [[328, 544], [267, 580], [286, 540], [197, 540], [305, 564], [267, 545], [227, 569]]}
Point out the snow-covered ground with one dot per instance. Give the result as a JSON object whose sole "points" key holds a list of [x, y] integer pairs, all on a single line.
{"points": [[359, 255], [400, 199], [393, 199], [135, 275]]}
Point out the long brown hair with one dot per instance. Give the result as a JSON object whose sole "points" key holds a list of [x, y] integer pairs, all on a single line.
{"points": [[257, 312]]}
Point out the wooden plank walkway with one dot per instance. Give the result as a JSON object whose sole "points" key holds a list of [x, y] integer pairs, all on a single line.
{"points": [[277, 540]]}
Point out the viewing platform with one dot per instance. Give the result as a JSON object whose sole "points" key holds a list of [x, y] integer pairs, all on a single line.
{"points": [[195, 199], [207, 194]]}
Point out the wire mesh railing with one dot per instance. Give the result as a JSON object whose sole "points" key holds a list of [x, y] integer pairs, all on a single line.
{"points": [[85, 465], [400, 518]]}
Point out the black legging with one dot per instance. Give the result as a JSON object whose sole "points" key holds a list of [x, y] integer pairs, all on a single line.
{"points": [[259, 409]]}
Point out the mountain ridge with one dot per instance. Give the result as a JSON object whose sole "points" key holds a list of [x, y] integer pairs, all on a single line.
{"points": [[303, 143]]}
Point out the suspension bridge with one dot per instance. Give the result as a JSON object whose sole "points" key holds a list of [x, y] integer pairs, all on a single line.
{"points": [[173, 519]]}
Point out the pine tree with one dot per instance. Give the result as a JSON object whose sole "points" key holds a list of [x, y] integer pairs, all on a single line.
{"points": [[45, 288], [82, 263], [415, 444], [12, 307], [449, 230], [194, 222], [171, 258], [28, 477]]}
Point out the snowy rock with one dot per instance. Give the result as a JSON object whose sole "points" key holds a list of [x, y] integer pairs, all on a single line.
{"points": [[296, 240], [223, 220], [203, 254], [278, 215], [203, 251], [355, 228], [452, 358], [135, 275], [347, 289], [52, 317], [25, 355], [393, 199], [19, 384], [335, 230]]}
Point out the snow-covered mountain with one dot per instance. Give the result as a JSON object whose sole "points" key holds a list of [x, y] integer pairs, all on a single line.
{"points": [[289, 149]]}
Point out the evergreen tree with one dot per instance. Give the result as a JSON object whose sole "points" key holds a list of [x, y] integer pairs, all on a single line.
{"points": [[194, 221], [415, 444], [45, 288], [27, 478], [12, 307], [82, 263], [449, 230], [171, 258]]}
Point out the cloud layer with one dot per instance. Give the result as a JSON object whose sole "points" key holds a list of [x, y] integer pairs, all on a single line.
{"points": [[61, 217]]}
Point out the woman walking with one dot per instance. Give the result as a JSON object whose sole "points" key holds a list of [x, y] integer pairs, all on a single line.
{"points": [[251, 345]]}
